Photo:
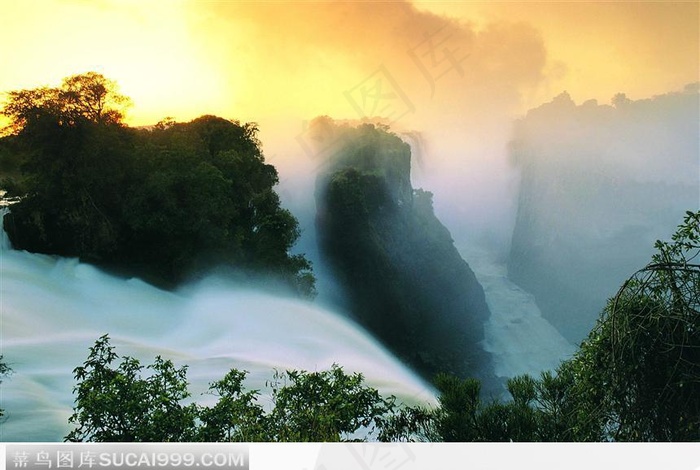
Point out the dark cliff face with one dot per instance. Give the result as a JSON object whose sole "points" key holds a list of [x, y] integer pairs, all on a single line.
{"points": [[406, 282], [600, 184]]}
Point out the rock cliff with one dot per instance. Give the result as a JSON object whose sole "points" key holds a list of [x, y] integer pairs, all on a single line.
{"points": [[600, 184], [404, 278]]}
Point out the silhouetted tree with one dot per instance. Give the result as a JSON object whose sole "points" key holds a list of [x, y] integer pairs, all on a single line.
{"points": [[89, 96], [166, 204]]}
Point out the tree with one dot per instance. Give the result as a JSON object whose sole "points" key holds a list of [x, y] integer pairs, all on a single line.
{"points": [[635, 378], [641, 365], [121, 402], [326, 406], [213, 198], [89, 96], [236, 416], [463, 416], [167, 204], [119, 405], [93, 97]]}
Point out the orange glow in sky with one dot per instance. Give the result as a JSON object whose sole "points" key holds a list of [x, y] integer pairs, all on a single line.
{"points": [[245, 61]]}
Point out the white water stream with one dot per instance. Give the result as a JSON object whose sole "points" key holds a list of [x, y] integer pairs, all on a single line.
{"points": [[519, 339], [53, 309]]}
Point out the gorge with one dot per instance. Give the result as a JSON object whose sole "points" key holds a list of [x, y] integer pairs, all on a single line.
{"points": [[410, 298]]}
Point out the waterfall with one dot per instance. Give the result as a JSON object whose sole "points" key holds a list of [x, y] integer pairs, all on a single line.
{"points": [[52, 310], [516, 335]]}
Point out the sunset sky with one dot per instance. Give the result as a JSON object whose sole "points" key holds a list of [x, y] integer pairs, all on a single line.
{"points": [[252, 61], [452, 75]]}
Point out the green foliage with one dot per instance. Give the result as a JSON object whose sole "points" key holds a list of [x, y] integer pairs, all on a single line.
{"points": [[408, 424], [641, 365], [166, 203], [324, 406], [120, 402], [236, 416], [459, 404], [174, 200], [568, 407], [119, 405], [462, 415], [636, 377]]}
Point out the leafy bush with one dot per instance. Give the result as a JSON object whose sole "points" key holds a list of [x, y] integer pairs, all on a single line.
{"points": [[165, 203], [130, 402], [635, 378]]}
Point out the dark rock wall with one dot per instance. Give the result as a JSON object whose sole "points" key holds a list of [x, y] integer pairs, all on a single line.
{"points": [[406, 282]]}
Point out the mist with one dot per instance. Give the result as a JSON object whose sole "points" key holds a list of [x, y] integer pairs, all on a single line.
{"points": [[466, 96], [600, 184], [455, 83], [54, 309], [462, 108], [572, 190], [458, 79]]}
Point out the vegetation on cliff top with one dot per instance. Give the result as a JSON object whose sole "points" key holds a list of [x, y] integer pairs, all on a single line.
{"points": [[636, 378], [405, 280], [165, 203]]}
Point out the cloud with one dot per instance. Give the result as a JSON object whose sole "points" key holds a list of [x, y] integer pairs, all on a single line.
{"points": [[310, 55], [458, 82], [453, 85], [641, 48]]}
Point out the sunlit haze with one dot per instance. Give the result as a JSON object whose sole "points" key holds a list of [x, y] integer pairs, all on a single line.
{"points": [[249, 61], [554, 142], [456, 72]]}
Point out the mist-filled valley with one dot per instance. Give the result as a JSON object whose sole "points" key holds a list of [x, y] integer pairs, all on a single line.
{"points": [[450, 203], [600, 184], [587, 214]]}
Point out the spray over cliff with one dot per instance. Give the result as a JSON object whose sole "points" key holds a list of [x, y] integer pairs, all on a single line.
{"points": [[600, 183], [404, 278]]}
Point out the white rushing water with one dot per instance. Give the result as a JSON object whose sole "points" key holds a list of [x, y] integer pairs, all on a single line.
{"points": [[519, 339], [53, 309]]}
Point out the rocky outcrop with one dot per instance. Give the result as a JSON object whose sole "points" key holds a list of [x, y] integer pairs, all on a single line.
{"points": [[404, 278], [600, 184]]}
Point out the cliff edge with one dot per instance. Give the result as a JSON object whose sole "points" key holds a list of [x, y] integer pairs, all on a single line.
{"points": [[404, 278]]}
